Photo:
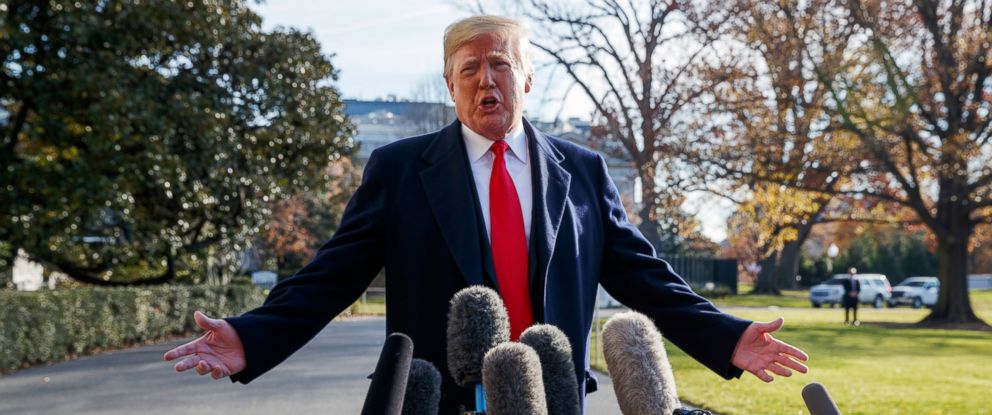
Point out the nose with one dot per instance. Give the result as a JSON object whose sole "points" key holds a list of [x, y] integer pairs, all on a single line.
{"points": [[486, 79]]}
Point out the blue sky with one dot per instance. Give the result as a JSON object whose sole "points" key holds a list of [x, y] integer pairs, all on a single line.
{"points": [[384, 47]]}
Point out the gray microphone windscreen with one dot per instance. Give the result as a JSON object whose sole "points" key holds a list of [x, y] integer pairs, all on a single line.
{"points": [[635, 356], [477, 321], [818, 400], [511, 377], [560, 386], [423, 389]]}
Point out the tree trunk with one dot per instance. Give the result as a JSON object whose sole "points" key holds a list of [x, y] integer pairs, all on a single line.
{"points": [[649, 226], [953, 304], [788, 265], [280, 263], [767, 283], [650, 229]]}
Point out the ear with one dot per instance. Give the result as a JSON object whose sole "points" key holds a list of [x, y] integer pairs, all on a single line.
{"points": [[529, 82], [451, 88]]}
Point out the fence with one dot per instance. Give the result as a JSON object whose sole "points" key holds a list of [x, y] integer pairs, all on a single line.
{"points": [[700, 271]]}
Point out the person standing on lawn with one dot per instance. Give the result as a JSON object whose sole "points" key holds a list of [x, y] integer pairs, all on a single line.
{"points": [[852, 288]]}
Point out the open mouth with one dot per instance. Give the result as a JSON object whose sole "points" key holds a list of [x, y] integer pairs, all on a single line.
{"points": [[489, 103]]}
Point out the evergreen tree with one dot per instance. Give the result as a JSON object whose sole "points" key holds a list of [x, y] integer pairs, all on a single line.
{"points": [[140, 138]]}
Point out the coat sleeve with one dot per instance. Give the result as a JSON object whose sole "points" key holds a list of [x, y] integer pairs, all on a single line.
{"points": [[632, 274], [300, 306]]}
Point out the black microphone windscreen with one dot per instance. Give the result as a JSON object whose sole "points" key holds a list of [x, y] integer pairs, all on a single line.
{"points": [[423, 389], [388, 386], [477, 321], [635, 356], [560, 386], [511, 377], [818, 400]]}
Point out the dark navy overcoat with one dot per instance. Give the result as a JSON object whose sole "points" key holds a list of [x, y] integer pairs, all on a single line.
{"points": [[416, 214]]}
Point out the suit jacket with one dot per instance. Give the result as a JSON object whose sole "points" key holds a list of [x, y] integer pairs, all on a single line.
{"points": [[851, 285], [417, 214]]}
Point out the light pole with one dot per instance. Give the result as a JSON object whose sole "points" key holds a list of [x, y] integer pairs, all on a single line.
{"points": [[832, 252]]}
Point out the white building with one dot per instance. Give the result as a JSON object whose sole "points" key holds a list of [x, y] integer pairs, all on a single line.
{"points": [[382, 122]]}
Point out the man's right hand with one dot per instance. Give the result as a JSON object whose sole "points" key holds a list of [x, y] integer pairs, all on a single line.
{"points": [[218, 352]]}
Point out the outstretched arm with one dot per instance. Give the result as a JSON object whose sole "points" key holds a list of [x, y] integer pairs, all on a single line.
{"points": [[632, 273], [300, 306]]}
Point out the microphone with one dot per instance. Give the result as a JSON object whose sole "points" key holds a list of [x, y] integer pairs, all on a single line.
{"points": [[818, 400], [511, 373], [558, 371], [388, 386], [423, 389], [635, 356], [477, 322]]}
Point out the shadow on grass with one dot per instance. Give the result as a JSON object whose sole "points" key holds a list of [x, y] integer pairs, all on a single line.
{"points": [[979, 327], [878, 339]]}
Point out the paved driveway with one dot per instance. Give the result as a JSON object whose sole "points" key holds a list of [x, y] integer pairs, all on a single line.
{"points": [[328, 376]]}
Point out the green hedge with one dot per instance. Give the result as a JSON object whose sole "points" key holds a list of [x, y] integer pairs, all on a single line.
{"points": [[45, 326]]}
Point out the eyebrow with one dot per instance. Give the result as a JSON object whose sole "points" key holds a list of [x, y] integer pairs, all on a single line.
{"points": [[499, 54], [494, 54]]}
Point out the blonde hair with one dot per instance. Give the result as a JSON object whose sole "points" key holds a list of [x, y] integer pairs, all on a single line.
{"points": [[470, 28]]}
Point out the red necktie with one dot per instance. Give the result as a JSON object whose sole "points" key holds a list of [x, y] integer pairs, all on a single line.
{"points": [[509, 243]]}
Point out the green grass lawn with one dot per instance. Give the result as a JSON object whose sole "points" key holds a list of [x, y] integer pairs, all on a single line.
{"points": [[373, 305], [368, 309], [871, 369], [789, 298]]}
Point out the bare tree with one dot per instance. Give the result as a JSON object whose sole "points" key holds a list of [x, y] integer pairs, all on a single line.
{"points": [[432, 108], [638, 63], [770, 122]]}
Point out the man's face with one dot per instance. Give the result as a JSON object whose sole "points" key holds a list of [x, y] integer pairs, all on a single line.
{"points": [[487, 83]]}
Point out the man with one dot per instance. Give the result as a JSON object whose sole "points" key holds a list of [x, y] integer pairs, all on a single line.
{"points": [[852, 289], [486, 200]]}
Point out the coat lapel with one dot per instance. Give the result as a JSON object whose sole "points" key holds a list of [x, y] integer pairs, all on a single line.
{"points": [[451, 195], [551, 195], [446, 183]]}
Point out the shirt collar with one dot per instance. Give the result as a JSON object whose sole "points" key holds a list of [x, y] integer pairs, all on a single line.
{"points": [[478, 146]]}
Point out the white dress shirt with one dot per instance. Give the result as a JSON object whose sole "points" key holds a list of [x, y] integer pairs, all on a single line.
{"points": [[517, 164]]}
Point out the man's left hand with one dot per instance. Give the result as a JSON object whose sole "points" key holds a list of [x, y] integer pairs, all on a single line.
{"points": [[759, 353]]}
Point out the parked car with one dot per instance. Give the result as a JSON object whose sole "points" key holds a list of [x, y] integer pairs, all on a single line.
{"points": [[916, 292], [827, 292], [875, 290]]}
